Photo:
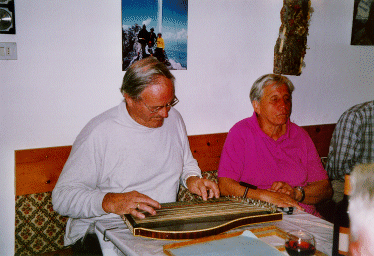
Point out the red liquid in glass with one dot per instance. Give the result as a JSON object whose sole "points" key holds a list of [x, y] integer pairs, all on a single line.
{"points": [[295, 248]]}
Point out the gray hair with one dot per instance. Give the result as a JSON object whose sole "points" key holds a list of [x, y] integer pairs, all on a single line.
{"points": [[361, 203], [259, 85], [141, 74]]}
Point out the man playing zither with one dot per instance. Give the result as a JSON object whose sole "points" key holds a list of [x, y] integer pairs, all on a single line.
{"points": [[132, 157]]}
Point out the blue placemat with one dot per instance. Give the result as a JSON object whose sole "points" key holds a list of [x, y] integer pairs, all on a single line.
{"points": [[245, 244]]}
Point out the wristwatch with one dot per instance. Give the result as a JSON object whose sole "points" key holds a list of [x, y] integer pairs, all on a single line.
{"points": [[301, 189]]}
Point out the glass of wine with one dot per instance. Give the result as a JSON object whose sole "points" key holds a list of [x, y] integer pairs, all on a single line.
{"points": [[299, 242]]}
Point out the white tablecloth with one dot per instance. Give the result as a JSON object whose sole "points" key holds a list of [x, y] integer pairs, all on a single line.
{"points": [[119, 241]]}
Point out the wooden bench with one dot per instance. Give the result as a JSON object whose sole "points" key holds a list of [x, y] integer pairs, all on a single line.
{"points": [[39, 229]]}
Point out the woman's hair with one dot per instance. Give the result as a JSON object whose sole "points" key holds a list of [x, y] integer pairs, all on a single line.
{"points": [[141, 74], [259, 85]]}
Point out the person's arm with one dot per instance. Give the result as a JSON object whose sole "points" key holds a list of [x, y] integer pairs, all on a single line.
{"points": [[230, 187], [191, 177], [316, 187], [317, 191], [76, 194], [314, 192], [345, 146]]}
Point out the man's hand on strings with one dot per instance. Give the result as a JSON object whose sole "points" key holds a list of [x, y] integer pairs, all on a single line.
{"points": [[203, 187], [129, 203]]}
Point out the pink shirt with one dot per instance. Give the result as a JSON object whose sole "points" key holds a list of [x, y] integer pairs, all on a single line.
{"points": [[251, 156]]}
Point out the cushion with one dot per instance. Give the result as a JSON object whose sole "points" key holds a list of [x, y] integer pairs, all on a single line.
{"points": [[38, 228]]}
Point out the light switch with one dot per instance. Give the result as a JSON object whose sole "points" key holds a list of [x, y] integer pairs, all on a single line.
{"points": [[8, 51]]}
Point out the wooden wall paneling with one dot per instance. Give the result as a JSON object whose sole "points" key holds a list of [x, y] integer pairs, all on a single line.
{"points": [[207, 149], [37, 170], [321, 136]]}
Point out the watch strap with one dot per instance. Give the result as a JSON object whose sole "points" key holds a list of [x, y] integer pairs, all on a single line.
{"points": [[301, 189]]}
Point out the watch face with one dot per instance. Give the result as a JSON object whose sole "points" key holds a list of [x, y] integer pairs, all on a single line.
{"points": [[301, 189]]}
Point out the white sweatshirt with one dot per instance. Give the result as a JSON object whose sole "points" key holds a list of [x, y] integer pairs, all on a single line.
{"points": [[113, 153]]}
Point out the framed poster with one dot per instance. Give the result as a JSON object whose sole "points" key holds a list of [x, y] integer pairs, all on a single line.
{"points": [[155, 28], [363, 23]]}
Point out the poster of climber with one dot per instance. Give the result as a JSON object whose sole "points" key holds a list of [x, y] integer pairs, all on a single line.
{"points": [[155, 28]]}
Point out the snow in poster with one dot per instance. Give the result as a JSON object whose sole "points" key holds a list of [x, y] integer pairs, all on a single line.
{"points": [[165, 17]]}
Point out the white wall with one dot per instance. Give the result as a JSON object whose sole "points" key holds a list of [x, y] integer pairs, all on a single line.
{"points": [[69, 70]]}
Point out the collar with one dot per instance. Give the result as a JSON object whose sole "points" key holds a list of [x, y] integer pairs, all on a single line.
{"points": [[254, 121]]}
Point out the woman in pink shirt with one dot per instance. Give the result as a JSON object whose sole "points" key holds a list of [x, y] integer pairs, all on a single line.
{"points": [[270, 152]]}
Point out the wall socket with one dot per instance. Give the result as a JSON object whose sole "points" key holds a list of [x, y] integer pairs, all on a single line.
{"points": [[8, 51]]}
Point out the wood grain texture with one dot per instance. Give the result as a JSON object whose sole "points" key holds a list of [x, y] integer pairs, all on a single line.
{"points": [[321, 136], [206, 149], [37, 170]]}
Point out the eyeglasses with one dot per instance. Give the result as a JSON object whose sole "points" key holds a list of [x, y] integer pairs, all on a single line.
{"points": [[154, 110]]}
